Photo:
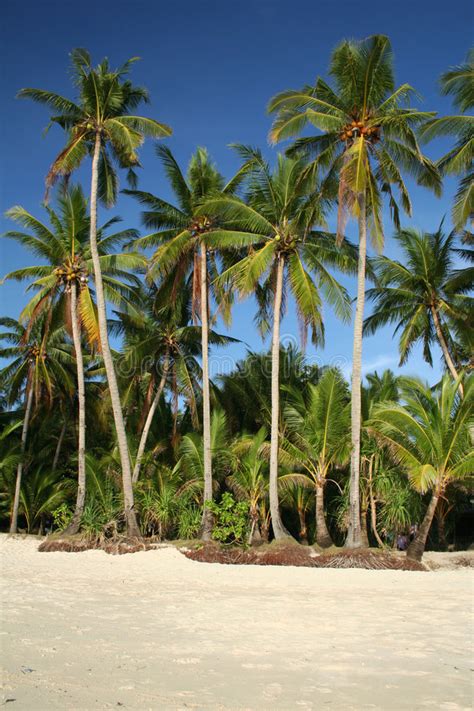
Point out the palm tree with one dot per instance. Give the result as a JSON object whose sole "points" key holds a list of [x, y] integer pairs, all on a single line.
{"points": [[43, 491], [429, 434], [63, 283], [459, 82], [101, 125], [38, 367], [317, 438], [367, 141], [245, 393], [160, 339], [422, 293], [9, 459], [162, 498], [298, 498], [378, 481], [277, 220], [191, 463], [249, 478], [179, 234]]}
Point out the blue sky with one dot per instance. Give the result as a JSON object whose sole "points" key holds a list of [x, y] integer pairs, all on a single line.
{"points": [[211, 68]]}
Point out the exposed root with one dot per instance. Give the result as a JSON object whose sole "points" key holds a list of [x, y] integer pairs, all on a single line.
{"points": [[301, 556], [70, 544], [368, 560], [118, 545]]}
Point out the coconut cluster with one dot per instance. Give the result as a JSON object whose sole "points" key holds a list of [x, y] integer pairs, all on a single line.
{"points": [[200, 226], [359, 128], [35, 352], [72, 271]]}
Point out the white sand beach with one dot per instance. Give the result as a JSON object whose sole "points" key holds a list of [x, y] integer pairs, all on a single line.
{"points": [[154, 630]]}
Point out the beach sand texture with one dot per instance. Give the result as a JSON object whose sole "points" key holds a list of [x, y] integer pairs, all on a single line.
{"points": [[154, 630]]}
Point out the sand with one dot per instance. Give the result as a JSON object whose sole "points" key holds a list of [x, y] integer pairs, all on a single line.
{"points": [[154, 630]]}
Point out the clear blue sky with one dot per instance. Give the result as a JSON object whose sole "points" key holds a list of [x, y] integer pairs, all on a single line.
{"points": [[211, 67]]}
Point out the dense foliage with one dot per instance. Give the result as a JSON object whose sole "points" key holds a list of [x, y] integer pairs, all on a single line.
{"points": [[139, 439]]}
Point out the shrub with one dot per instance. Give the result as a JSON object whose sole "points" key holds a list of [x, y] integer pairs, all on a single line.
{"points": [[189, 520], [230, 520], [61, 517]]}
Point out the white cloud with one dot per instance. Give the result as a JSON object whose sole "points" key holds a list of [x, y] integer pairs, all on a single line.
{"points": [[381, 362]]}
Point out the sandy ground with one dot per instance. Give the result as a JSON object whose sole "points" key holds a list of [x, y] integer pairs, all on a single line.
{"points": [[155, 630]]}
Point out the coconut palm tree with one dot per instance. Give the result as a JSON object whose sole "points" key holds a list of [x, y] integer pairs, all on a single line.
{"points": [[317, 438], [366, 141], [422, 293], [179, 232], [161, 340], [459, 83], [61, 282], [191, 462], [298, 498], [38, 367], [379, 482], [101, 124], [249, 478], [429, 434], [245, 393], [277, 220]]}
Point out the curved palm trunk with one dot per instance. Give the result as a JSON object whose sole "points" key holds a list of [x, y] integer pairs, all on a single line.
{"points": [[130, 517], [353, 539], [373, 505], [149, 420], [207, 520], [279, 531], [81, 394], [444, 348], [19, 470], [441, 513], [323, 537], [417, 547]]}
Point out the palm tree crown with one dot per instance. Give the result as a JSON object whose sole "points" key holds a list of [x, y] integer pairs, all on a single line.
{"points": [[422, 293], [459, 82], [64, 246], [278, 221], [104, 107], [367, 130]]}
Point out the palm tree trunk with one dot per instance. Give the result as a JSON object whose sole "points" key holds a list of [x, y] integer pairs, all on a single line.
{"points": [[373, 505], [303, 528], [353, 539], [444, 348], [279, 531], [130, 517], [417, 546], [254, 533], [149, 420], [323, 537], [19, 471], [59, 446], [373, 522], [441, 513], [207, 520], [81, 394], [364, 534]]}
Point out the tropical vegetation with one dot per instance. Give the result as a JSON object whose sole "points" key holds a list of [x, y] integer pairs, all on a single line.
{"points": [[112, 421]]}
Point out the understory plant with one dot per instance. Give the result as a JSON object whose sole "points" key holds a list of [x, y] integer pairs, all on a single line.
{"points": [[230, 520]]}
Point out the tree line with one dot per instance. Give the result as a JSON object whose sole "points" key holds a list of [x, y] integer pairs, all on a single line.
{"points": [[179, 440]]}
